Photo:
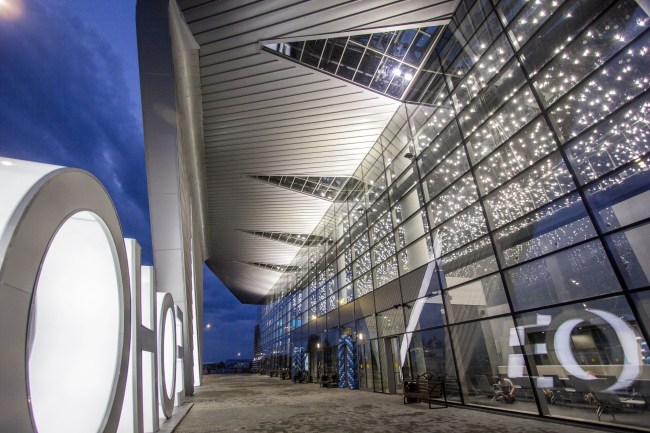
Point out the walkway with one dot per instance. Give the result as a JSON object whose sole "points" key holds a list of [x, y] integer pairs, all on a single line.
{"points": [[254, 403]]}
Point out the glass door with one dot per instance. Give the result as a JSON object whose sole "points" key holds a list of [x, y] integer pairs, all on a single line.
{"points": [[364, 360]]}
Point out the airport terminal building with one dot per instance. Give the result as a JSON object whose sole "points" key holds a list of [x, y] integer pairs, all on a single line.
{"points": [[452, 187]]}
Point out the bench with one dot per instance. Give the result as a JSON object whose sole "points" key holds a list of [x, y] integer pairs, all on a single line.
{"points": [[426, 387], [327, 380]]}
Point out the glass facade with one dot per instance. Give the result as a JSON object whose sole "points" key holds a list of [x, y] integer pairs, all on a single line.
{"points": [[500, 235]]}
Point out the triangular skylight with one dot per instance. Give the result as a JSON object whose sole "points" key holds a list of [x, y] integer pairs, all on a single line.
{"points": [[326, 188], [270, 267], [382, 62], [298, 240]]}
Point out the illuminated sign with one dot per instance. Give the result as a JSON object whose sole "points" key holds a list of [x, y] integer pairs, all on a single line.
{"points": [[84, 343]]}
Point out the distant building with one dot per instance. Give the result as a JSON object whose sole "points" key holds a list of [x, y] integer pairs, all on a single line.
{"points": [[239, 364]]}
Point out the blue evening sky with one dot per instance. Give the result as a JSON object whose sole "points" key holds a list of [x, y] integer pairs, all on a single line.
{"points": [[70, 95]]}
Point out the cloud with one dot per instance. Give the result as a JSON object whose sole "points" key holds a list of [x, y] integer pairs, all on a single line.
{"points": [[65, 101]]}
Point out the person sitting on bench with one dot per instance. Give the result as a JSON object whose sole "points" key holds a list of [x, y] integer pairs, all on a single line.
{"points": [[507, 393]]}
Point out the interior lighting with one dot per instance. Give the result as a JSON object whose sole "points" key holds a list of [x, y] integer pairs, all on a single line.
{"points": [[6, 162], [208, 325]]}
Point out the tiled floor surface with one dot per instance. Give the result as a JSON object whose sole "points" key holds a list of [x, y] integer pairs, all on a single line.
{"points": [[254, 403]]}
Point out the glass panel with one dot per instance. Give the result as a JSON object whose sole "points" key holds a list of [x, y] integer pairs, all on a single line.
{"points": [[623, 138], [490, 64], [623, 78], [632, 255], [390, 322], [587, 356], [384, 249], [400, 43], [401, 79], [443, 145], [408, 179], [496, 94], [346, 294], [482, 298], [569, 275], [470, 262], [445, 174], [386, 272], [622, 198], [350, 60], [380, 41], [553, 227], [408, 206], [362, 265], [363, 285], [332, 54], [312, 52], [418, 49], [456, 198], [430, 352], [562, 27], [384, 74], [412, 230], [424, 313], [582, 56], [463, 229], [367, 327], [490, 365], [381, 228], [418, 254], [546, 182], [525, 149], [533, 16], [509, 120], [367, 68]]}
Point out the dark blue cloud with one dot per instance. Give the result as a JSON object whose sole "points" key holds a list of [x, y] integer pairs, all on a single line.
{"points": [[232, 323], [64, 100]]}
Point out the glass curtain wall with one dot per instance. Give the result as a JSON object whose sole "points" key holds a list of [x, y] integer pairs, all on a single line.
{"points": [[501, 232]]}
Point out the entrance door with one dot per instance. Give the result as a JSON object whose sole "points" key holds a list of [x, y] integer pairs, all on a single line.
{"points": [[393, 367], [364, 361]]}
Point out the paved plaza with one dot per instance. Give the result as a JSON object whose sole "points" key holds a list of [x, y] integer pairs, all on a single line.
{"points": [[254, 403]]}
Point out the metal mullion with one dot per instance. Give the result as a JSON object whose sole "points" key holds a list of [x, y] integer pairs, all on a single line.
{"points": [[495, 250], [533, 310], [577, 36], [359, 65], [445, 158], [322, 53], [493, 115], [549, 254], [528, 214], [302, 51], [618, 169], [447, 254], [589, 76], [497, 76], [590, 211], [473, 67], [342, 53], [503, 145], [467, 40], [604, 120], [426, 56], [523, 174], [448, 188]]}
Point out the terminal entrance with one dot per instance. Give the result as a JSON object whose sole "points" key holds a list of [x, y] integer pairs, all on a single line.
{"points": [[364, 359]]}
